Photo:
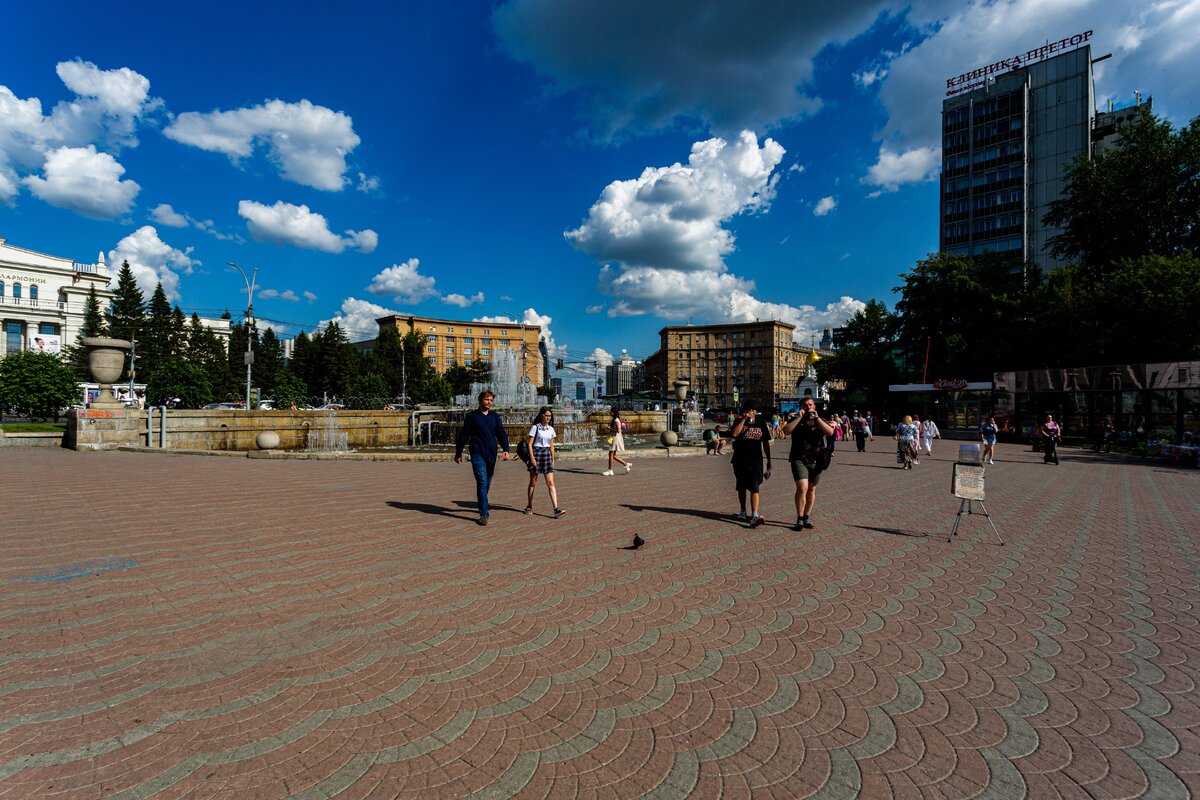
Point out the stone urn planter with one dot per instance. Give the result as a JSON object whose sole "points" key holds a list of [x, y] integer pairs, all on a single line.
{"points": [[681, 390], [106, 362]]}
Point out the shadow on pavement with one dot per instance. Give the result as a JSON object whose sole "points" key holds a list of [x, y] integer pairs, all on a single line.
{"points": [[688, 512], [428, 508], [892, 531]]}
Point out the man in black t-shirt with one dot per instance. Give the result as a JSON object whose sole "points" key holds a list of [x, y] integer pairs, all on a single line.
{"points": [[751, 438], [808, 457]]}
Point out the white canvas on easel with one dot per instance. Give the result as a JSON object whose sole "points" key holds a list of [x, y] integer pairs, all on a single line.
{"points": [[967, 484]]}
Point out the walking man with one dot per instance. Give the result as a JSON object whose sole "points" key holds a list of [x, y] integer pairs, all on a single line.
{"points": [[484, 431], [751, 438], [808, 457], [929, 432], [862, 430]]}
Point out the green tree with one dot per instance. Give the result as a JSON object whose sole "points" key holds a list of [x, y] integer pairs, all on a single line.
{"points": [[368, 391], [337, 362], [969, 316], [175, 377], [179, 333], [93, 325], [37, 384], [154, 338], [289, 389], [268, 362], [419, 370], [1138, 198], [865, 360], [436, 390], [127, 311], [205, 350]]}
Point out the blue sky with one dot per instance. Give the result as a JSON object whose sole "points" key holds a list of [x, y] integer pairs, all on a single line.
{"points": [[602, 169]]}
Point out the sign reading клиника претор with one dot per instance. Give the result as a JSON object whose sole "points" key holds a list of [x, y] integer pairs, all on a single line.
{"points": [[955, 85]]}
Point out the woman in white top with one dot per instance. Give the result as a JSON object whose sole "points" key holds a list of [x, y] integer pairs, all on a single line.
{"points": [[617, 442], [541, 461]]}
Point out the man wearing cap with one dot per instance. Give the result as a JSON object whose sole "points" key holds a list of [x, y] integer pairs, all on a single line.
{"points": [[751, 439]]}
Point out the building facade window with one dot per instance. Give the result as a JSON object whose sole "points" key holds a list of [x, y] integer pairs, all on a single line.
{"points": [[14, 332], [1, 288], [48, 328], [33, 295], [16, 291], [485, 352]]}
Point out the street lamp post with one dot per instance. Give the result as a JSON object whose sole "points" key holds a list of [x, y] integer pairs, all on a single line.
{"points": [[132, 362], [249, 317]]}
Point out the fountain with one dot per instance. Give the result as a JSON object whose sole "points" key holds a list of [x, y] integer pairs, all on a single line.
{"points": [[512, 389], [328, 438]]}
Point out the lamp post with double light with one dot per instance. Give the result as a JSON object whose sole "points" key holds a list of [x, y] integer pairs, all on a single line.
{"points": [[249, 319]]}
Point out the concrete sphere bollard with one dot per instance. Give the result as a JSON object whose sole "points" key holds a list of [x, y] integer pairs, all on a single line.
{"points": [[669, 438], [267, 440]]}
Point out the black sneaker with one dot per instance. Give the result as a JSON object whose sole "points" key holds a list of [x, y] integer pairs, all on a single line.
{"points": [[799, 526], [808, 523], [483, 519]]}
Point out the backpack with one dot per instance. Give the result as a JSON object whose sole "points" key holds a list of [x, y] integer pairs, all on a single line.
{"points": [[523, 451]]}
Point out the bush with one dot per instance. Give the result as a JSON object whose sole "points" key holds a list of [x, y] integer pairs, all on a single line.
{"points": [[37, 384]]}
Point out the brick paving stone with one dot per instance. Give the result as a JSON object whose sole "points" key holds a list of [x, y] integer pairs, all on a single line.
{"points": [[318, 629]]}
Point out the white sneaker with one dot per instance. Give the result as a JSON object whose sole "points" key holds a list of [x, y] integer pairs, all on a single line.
{"points": [[607, 472], [628, 467], [990, 461]]}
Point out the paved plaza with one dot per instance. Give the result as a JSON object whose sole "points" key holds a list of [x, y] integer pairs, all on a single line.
{"points": [[182, 626]]}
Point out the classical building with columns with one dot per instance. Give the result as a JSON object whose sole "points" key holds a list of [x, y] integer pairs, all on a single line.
{"points": [[42, 298]]}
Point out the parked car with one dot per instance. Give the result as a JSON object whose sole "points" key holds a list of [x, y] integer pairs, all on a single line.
{"points": [[221, 406], [266, 405]]}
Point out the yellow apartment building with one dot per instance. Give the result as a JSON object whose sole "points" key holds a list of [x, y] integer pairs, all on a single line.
{"points": [[461, 342]]}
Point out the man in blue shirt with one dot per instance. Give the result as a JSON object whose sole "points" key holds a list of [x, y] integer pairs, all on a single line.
{"points": [[484, 431]]}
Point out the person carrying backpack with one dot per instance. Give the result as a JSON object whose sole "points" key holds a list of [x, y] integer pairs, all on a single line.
{"points": [[809, 457]]}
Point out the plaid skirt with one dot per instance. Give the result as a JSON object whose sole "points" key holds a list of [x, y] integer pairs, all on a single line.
{"points": [[542, 463]]}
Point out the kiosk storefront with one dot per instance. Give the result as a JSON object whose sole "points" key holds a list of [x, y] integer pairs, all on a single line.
{"points": [[1140, 401]]}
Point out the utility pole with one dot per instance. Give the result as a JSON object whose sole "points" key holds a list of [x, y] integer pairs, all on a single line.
{"points": [[249, 319], [403, 373]]}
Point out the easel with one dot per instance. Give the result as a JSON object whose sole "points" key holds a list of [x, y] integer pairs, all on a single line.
{"points": [[967, 485], [966, 504]]}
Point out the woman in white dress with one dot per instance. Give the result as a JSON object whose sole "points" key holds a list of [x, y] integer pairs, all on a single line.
{"points": [[617, 427]]}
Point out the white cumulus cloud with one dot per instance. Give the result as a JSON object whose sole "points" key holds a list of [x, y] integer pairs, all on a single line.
{"points": [[809, 320], [672, 217], [462, 301], [101, 119], [310, 297], [357, 318], [530, 316], [85, 181], [404, 283], [917, 165], [153, 261], [287, 224], [307, 142], [163, 214], [824, 206]]}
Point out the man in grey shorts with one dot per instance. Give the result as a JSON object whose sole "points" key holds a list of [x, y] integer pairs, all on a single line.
{"points": [[807, 456]]}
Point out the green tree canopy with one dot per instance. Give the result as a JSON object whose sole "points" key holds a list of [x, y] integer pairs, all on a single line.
{"points": [[128, 308], [175, 377], [154, 339], [289, 389], [865, 360], [37, 384], [1141, 197]]}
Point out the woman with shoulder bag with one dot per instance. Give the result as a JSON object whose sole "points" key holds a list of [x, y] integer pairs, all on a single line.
{"points": [[617, 426], [541, 446]]}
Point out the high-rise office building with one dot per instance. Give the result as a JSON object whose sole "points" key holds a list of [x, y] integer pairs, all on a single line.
{"points": [[1009, 130], [618, 377]]}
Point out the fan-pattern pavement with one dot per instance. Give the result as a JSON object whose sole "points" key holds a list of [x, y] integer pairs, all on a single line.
{"points": [[176, 626]]}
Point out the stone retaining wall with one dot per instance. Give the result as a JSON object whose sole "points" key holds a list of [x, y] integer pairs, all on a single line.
{"points": [[639, 422], [187, 429]]}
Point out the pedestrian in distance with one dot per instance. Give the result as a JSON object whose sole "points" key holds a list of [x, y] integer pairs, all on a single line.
{"points": [[616, 442], [809, 457], [719, 439], [929, 432], [541, 461], [1051, 433], [861, 431], [751, 440], [987, 437], [916, 421], [906, 443], [484, 432]]}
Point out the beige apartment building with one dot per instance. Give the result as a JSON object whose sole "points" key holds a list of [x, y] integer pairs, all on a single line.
{"points": [[460, 342], [757, 359]]}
